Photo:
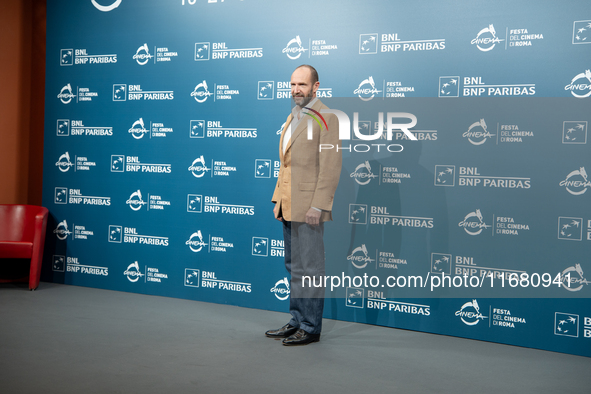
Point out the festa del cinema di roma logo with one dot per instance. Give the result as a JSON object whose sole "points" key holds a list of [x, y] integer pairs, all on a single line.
{"points": [[470, 313], [580, 85], [576, 182], [281, 289], [486, 39], [294, 48], [201, 92], [106, 8], [473, 223]]}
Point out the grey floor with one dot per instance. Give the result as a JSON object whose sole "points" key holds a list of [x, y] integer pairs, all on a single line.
{"points": [[68, 339]]}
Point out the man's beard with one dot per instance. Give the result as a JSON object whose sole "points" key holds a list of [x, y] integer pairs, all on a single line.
{"points": [[304, 100]]}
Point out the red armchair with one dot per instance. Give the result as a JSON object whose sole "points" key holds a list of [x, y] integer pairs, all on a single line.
{"points": [[22, 235]]}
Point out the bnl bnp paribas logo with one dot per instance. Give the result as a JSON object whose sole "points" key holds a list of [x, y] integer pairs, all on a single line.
{"points": [[120, 92], [368, 44], [449, 86], [441, 262], [66, 57], [266, 168], [202, 50], [220, 50], [266, 90], [582, 32], [571, 229], [197, 129], [357, 214], [264, 247], [574, 132], [195, 203], [445, 175], [270, 90], [567, 325], [355, 297], [260, 246]]}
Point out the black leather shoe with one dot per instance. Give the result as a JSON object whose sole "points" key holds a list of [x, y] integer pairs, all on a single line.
{"points": [[301, 337], [283, 332]]}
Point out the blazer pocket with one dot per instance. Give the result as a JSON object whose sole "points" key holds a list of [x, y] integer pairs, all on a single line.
{"points": [[307, 186]]}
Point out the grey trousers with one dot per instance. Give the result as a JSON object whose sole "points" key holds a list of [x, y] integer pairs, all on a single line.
{"points": [[304, 258]]}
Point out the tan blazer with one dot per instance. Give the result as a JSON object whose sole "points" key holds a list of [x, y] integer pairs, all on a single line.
{"points": [[308, 177]]}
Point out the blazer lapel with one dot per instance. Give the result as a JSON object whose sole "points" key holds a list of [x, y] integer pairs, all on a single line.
{"points": [[303, 125]]}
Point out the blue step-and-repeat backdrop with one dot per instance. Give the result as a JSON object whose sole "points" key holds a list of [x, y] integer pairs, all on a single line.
{"points": [[463, 202]]}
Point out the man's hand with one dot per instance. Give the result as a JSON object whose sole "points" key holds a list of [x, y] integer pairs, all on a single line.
{"points": [[275, 209], [313, 217]]}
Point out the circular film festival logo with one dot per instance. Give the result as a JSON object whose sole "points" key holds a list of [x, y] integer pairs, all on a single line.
{"points": [[61, 231], [363, 174], [486, 39], [281, 289], [195, 242], [142, 55], [66, 94], [135, 201], [366, 89], [198, 167], [473, 223], [470, 313], [201, 93], [580, 85], [359, 257], [133, 272], [294, 48], [138, 129], [576, 183], [478, 137], [64, 163], [106, 8], [570, 282]]}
